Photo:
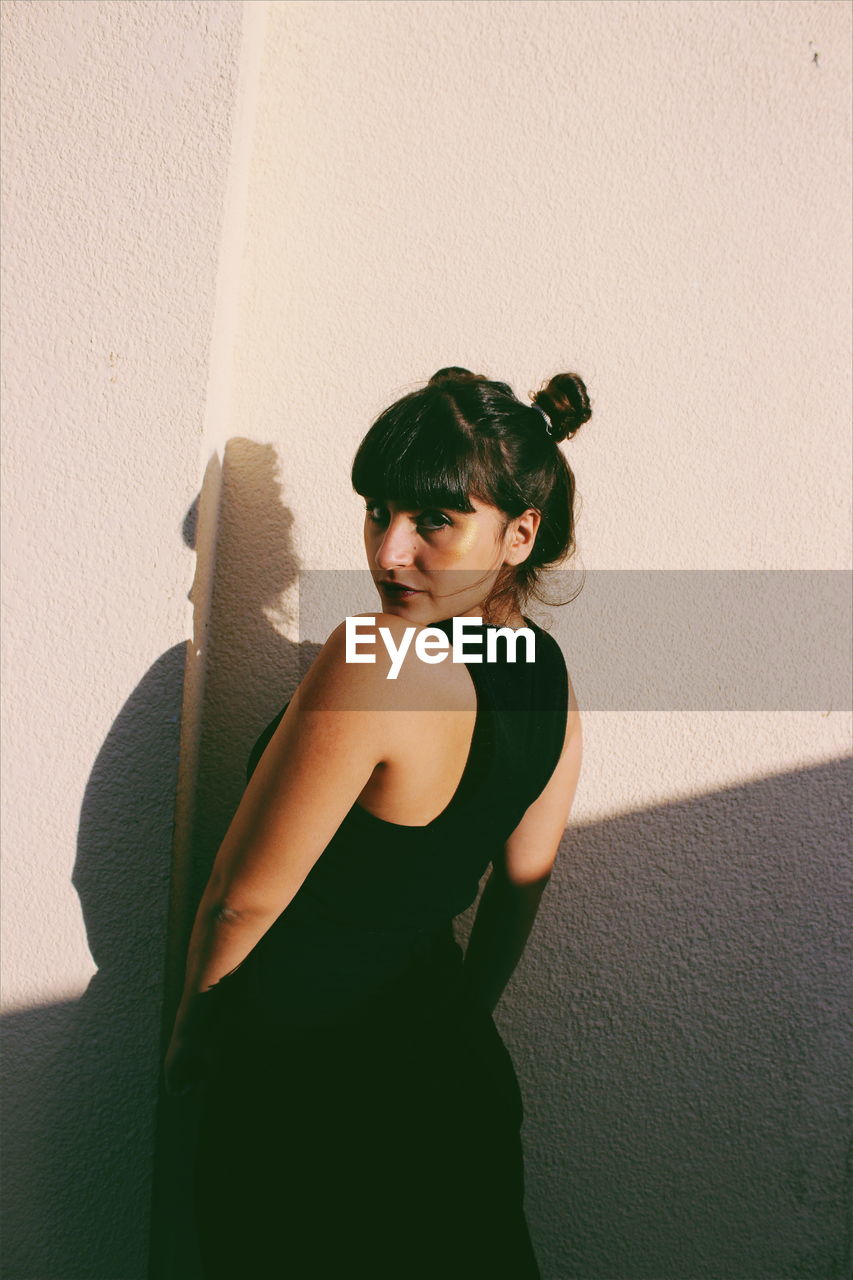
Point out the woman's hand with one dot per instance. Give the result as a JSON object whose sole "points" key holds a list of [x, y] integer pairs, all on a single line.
{"points": [[186, 1066], [193, 1046]]}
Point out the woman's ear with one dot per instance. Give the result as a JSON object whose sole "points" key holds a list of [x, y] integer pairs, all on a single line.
{"points": [[521, 536]]}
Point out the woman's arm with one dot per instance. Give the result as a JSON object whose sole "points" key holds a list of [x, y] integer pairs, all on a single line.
{"points": [[335, 732], [510, 900], [499, 934]]}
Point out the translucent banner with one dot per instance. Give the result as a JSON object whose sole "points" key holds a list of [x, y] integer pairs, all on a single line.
{"points": [[642, 640]]}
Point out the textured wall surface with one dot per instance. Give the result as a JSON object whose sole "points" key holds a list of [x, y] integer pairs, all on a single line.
{"points": [[117, 125], [655, 194]]}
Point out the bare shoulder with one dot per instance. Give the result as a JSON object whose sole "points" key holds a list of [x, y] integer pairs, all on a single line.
{"points": [[374, 666]]}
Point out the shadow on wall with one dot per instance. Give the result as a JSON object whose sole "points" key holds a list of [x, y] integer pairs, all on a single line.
{"points": [[686, 1059], [677, 1021], [81, 1078], [251, 672], [78, 1077]]}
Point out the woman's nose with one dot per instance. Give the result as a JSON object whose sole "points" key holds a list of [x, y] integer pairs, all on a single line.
{"points": [[397, 546]]}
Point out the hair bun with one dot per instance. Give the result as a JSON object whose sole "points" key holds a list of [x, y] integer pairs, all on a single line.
{"points": [[566, 402], [453, 374]]}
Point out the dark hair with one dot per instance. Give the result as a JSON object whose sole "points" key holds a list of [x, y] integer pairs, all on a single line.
{"points": [[462, 435]]}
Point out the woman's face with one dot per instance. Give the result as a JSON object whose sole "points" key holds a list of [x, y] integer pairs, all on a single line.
{"points": [[449, 559]]}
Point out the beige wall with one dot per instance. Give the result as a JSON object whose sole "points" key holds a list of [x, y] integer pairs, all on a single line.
{"points": [[118, 128], [655, 194]]}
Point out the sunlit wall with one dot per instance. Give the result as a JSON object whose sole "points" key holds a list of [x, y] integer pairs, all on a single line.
{"points": [[232, 235]]}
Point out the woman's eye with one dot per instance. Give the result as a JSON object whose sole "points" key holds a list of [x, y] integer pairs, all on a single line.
{"points": [[437, 518]]}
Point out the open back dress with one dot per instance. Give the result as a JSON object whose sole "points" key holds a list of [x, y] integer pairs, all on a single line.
{"points": [[363, 1116]]}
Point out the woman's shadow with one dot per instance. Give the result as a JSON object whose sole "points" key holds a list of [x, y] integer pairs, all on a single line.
{"points": [[82, 1077]]}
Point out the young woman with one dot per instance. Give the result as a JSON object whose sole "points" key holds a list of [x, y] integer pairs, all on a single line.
{"points": [[360, 1112]]}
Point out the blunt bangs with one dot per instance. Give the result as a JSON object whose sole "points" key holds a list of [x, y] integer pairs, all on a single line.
{"points": [[418, 453]]}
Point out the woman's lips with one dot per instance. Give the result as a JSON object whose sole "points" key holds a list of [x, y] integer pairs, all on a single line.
{"points": [[393, 592]]}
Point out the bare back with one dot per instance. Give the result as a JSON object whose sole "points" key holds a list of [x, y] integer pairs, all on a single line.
{"points": [[427, 753]]}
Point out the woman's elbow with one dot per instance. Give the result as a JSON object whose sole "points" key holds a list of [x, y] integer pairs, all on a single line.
{"points": [[232, 910]]}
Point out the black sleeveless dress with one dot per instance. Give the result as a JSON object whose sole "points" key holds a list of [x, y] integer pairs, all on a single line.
{"points": [[363, 1117]]}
